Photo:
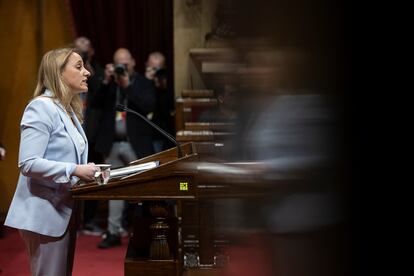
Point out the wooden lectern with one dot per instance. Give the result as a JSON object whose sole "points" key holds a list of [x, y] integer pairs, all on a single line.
{"points": [[189, 223]]}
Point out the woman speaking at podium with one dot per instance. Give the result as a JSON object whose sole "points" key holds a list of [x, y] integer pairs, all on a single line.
{"points": [[52, 158]]}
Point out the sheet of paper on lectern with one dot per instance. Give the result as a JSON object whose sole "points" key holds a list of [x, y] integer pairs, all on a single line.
{"points": [[133, 169]]}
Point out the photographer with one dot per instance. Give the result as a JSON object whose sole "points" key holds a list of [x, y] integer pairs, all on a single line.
{"points": [[122, 137], [163, 115]]}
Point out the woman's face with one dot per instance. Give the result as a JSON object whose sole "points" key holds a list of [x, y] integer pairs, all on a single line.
{"points": [[75, 75]]}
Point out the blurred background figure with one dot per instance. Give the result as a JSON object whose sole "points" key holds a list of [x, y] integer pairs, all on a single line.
{"points": [[290, 109], [122, 137], [163, 115], [92, 116]]}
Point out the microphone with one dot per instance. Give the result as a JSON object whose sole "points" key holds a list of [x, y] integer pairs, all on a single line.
{"points": [[120, 107]]}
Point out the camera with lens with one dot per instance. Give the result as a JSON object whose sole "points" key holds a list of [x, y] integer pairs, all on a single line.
{"points": [[160, 73], [120, 69]]}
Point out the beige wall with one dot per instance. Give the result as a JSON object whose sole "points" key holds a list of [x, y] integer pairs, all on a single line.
{"points": [[191, 23], [29, 28]]}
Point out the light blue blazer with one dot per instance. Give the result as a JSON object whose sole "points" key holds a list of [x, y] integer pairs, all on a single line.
{"points": [[49, 152]]}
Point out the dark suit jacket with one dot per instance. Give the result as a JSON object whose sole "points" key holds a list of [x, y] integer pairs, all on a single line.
{"points": [[141, 97]]}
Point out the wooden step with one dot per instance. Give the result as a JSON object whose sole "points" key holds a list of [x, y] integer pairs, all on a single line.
{"points": [[209, 126], [197, 93], [188, 102], [201, 135]]}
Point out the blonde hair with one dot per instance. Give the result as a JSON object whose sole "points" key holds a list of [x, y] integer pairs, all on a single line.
{"points": [[50, 77]]}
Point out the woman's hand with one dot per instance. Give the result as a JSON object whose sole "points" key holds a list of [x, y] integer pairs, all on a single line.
{"points": [[86, 172], [109, 73], [2, 153]]}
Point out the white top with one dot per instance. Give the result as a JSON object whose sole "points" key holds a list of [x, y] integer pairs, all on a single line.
{"points": [[79, 139], [81, 142]]}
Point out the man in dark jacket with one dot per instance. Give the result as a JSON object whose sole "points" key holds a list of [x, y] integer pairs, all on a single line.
{"points": [[122, 137], [163, 115]]}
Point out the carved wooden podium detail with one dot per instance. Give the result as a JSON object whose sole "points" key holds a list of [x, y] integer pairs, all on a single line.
{"points": [[156, 246], [182, 237]]}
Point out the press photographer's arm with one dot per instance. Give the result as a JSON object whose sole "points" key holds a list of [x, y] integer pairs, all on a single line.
{"points": [[121, 75], [109, 73]]}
